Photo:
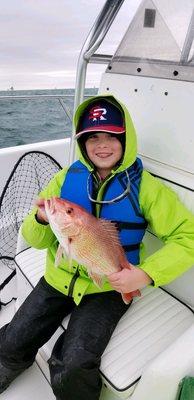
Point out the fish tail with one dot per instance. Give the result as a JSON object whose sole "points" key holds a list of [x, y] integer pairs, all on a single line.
{"points": [[125, 264], [128, 297], [135, 293]]}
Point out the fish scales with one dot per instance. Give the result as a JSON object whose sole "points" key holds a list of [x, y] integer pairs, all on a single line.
{"points": [[98, 257], [92, 242]]}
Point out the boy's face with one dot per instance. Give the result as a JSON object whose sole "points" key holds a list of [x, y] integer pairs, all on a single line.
{"points": [[104, 150]]}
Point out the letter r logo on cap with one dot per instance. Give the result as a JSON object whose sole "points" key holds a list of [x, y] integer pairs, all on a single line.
{"points": [[97, 113]]}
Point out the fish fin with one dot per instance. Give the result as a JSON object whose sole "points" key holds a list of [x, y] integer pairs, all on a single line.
{"points": [[136, 293], [66, 251], [110, 228], [124, 263], [65, 255], [127, 297], [62, 252], [69, 255], [59, 255], [97, 279]]}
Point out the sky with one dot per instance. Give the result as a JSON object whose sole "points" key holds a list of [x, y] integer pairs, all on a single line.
{"points": [[40, 40]]}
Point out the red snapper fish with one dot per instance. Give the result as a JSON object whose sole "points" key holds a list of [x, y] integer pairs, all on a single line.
{"points": [[92, 242]]}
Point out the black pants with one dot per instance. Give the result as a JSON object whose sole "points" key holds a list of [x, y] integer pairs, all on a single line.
{"points": [[75, 360]]}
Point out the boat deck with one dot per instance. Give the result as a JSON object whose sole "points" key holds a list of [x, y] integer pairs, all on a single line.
{"points": [[30, 385]]}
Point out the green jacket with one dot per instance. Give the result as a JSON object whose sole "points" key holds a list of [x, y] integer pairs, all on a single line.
{"points": [[167, 217]]}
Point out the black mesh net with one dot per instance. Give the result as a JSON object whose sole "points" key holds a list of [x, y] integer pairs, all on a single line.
{"points": [[30, 175]]}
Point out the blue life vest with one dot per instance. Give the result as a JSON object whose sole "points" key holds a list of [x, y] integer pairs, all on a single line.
{"points": [[125, 213]]}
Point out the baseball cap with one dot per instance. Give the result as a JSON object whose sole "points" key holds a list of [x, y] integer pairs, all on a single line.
{"points": [[101, 116]]}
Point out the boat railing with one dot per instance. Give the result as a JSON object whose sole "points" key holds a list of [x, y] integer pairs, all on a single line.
{"points": [[92, 43], [188, 41]]}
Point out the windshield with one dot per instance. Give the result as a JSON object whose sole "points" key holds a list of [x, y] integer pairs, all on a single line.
{"points": [[160, 31]]}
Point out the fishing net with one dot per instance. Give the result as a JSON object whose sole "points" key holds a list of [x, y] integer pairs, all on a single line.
{"points": [[30, 175]]}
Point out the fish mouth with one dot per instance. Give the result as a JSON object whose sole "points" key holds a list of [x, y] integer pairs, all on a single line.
{"points": [[49, 206]]}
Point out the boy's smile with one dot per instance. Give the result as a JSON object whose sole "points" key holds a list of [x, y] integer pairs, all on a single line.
{"points": [[104, 150]]}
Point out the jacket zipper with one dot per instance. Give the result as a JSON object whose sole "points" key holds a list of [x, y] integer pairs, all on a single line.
{"points": [[72, 284]]}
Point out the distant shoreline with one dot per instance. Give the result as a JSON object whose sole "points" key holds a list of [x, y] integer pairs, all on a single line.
{"points": [[42, 90]]}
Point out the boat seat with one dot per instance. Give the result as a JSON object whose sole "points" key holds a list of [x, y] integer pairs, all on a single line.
{"points": [[152, 324]]}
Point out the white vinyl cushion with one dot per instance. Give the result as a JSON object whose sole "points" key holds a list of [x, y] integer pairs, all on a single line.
{"points": [[152, 323], [31, 263]]}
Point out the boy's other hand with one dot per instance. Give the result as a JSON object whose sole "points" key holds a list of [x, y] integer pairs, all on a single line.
{"points": [[41, 214], [129, 280]]}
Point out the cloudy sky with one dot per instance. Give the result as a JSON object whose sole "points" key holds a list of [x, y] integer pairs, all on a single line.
{"points": [[40, 40]]}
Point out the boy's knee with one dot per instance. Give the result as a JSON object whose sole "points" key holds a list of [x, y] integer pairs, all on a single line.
{"points": [[67, 375], [64, 378], [7, 375], [76, 382]]}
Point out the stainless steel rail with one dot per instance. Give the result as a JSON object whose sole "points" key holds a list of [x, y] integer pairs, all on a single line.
{"points": [[93, 41], [34, 96], [188, 41], [100, 58]]}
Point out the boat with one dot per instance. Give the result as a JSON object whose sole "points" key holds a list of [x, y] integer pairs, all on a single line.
{"points": [[152, 72]]}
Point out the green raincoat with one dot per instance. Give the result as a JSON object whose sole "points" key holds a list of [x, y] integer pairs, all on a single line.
{"points": [[166, 215]]}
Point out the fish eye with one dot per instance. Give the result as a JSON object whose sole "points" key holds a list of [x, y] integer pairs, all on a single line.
{"points": [[69, 210]]}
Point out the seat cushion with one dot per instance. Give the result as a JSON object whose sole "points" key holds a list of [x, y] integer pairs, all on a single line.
{"points": [[152, 323], [31, 263]]}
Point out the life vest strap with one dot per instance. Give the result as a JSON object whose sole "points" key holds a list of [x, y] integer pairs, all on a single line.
{"points": [[131, 247], [130, 225]]}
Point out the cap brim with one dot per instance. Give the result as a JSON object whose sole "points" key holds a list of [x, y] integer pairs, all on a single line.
{"points": [[105, 128]]}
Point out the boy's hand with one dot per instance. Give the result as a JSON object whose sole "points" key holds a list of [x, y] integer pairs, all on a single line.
{"points": [[129, 280], [41, 214]]}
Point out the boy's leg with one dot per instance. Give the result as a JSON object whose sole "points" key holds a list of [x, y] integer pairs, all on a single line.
{"points": [[75, 361], [32, 326]]}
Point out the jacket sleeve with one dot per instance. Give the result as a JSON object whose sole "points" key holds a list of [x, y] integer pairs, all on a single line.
{"points": [[173, 223], [38, 235]]}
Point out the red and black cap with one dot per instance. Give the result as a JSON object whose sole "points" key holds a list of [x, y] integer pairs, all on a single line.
{"points": [[101, 116]]}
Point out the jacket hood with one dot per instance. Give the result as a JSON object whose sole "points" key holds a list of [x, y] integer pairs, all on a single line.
{"points": [[130, 152]]}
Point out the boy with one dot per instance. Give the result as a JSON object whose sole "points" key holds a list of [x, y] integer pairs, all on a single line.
{"points": [[109, 181]]}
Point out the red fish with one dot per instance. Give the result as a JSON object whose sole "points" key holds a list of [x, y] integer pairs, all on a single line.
{"points": [[92, 242]]}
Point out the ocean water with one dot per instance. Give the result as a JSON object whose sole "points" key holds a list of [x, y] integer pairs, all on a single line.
{"points": [[37, 120]]}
